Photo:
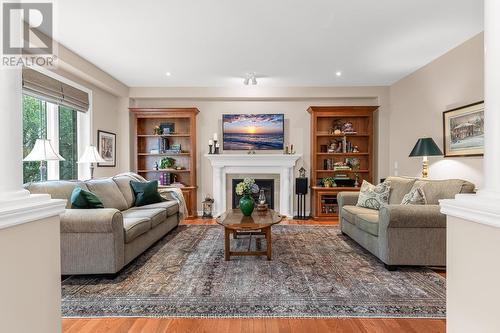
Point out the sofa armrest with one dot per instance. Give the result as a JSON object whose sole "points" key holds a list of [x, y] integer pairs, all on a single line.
{"points": [[347, 199], [411, 216], [101, 220]]}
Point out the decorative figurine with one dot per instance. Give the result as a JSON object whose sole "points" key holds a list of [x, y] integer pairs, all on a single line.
{"points": [[302, 172], [355, 149], [157, 130], [348, 128]]}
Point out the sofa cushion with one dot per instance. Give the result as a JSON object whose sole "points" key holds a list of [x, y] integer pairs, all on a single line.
{"points": [[172, 207], [350, 212], [58, 189], [109, 193], [146, 193], [81, 199], [156, 215], [416, 196], [123, 183], [399, 187], [371, 196], [367, 223], [135, 226], [436, 190]]}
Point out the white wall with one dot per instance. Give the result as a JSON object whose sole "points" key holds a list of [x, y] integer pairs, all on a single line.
{"points": [[417, 103], [297, 119]]}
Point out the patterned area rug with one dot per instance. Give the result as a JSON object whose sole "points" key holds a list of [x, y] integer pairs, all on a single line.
{"points": [[315, 272]]}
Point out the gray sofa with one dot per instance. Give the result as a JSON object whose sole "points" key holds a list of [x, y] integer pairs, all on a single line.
{"points": [[103, 241], [402, 234]]}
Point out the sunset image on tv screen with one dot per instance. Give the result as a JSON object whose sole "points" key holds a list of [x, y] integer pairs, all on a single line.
{"points": [[253, 131]]}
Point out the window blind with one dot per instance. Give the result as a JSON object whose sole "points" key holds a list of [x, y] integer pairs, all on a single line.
{"points": [[54, 91]]}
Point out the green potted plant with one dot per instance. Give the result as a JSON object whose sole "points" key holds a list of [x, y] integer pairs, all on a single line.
{"points": [[246, 188], [329, 182], [167, 163]]}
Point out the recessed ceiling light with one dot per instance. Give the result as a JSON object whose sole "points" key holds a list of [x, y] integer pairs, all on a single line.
{"points": [[338, 73], [168, 73]]}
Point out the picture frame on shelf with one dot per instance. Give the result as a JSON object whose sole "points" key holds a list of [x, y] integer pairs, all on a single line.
{"points": [[463, 131], [106, 145]]}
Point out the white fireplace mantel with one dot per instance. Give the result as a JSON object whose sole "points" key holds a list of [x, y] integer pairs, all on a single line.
{"points": [[281, 164]]}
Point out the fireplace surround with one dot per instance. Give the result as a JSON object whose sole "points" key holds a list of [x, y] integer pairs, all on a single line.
{"points": [[278, 164]]}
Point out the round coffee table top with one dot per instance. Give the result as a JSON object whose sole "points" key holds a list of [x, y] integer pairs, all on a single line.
{"points": [[234, 219]]}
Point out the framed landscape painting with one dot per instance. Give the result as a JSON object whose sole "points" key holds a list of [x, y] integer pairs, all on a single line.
{"points": [[253, 131], [464, 131], [106, 144]]}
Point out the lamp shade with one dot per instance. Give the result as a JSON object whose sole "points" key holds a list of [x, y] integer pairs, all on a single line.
{"points": [[426, 147], [43, 151], [91, 155]]}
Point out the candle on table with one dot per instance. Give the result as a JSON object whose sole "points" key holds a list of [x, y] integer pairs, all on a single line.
{"points": [[210, 142], [217, 145], [215, 136]]}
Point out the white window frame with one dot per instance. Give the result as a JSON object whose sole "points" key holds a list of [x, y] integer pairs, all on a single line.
{"points": [[84, 128]]}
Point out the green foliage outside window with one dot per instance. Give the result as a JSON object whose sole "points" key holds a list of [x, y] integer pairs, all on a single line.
{"points": [[35, 127]]}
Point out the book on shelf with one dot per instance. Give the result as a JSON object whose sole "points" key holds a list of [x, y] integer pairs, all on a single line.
{"points": [[342, 168]]}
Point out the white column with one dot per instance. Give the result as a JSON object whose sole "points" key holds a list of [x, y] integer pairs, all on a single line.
{"points": [[11, 134], [492, 98], [219, 191], [285, 201]]}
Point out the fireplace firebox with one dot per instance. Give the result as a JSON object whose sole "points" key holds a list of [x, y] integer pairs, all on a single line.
{"points": [[264, 184]]}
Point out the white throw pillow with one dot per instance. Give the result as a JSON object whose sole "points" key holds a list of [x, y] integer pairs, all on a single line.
{"points": [[373, 197], [416, 196]]}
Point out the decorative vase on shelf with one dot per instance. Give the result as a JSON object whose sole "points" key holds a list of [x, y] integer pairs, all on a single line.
{"points": [[247, 205]]}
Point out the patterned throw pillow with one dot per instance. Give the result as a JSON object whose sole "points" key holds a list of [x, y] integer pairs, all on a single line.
{"points": [[373, 197], [415, 197]]}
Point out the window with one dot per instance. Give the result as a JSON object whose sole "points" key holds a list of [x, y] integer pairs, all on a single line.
{"points": [[42, 119]]}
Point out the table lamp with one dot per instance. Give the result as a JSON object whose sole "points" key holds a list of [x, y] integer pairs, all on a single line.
{"points": [[91, 155], [43, 152], [423, 148]]}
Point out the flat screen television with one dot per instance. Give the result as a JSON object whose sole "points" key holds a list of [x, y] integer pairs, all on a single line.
{"points": [[253, 131]]}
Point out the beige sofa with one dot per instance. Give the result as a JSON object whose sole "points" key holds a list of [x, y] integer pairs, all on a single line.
{"points": [[103, 241], [402, 234]]}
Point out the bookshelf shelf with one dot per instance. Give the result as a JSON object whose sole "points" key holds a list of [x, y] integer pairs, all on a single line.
{"points": [[324, 119]]}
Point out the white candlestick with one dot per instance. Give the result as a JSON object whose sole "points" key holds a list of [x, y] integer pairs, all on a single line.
{"points": [[215, 136], [210, 142]]}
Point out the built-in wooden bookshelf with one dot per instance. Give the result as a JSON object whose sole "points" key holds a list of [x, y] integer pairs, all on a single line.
{"points": [[148, 148], [330, 147]]}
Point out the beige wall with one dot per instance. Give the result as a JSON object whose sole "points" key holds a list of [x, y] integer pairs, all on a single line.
{"points": [[297, 120], [30, 286], [417, 103], [110, 102]]}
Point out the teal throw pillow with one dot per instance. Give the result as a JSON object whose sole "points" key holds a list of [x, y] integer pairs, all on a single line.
{"points": [[81, 199], [146, 193]]}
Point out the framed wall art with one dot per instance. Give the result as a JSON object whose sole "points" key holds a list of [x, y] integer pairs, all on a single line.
{"points": [[464, 131], [106, 143]]}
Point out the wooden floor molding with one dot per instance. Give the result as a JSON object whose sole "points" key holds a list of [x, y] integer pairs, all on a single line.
{"points": [[254, 325]]}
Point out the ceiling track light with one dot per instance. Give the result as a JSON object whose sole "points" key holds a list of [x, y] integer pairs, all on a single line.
{"points": [[250, 77]]}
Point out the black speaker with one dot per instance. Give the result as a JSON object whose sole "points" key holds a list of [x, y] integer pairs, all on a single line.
{"points": [[300, 185]]}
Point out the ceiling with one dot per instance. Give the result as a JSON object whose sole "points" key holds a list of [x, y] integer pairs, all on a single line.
{"points": [[285, 42]]}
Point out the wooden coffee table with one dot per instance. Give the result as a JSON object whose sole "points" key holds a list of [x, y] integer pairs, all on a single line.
{"points": [[259, 223]]}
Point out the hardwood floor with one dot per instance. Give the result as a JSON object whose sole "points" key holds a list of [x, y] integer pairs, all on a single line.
{"points": [[175, 325], [257, 325]]}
